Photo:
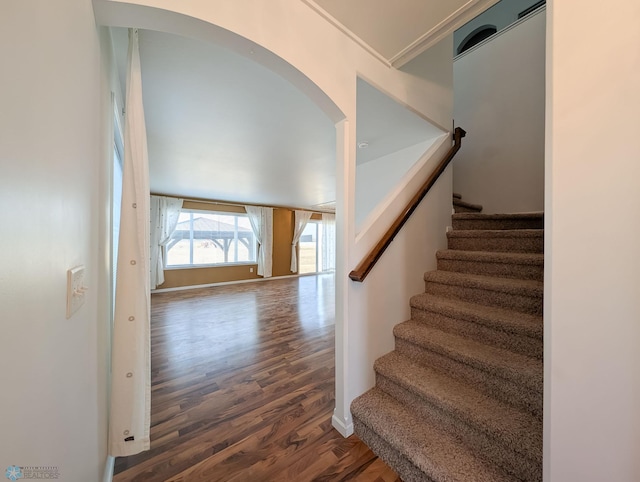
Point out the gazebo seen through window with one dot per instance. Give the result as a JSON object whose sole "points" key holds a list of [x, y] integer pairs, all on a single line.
{"points": [[211, 238]]}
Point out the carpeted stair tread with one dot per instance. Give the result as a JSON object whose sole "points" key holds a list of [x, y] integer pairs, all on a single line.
{"points": [[535, 259], [504, 216], [475, 221], [437, 453], [504, 265], [406, 470], [500, 327], [520, 369], [501, 319], [465, 206], [496, 233], [511, 293], [497, 240], [514, 428], [488, 283]]}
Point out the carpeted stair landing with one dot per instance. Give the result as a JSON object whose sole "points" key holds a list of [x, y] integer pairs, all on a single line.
{"points": [[461, 206], [460, 397]]}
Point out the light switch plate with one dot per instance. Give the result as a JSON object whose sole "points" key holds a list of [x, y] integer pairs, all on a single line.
{"points": [[75, 290]]}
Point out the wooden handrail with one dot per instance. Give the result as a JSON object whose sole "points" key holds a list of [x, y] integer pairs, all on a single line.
{"points": [[369, 261]]}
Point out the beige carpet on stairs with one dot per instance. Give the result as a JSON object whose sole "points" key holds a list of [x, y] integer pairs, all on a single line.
{"points": [[460, 397]]}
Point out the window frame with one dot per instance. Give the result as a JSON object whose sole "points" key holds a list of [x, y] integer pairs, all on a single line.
{"points": [[169, 267]]}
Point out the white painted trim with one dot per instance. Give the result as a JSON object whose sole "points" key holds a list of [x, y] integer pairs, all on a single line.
{"points": [[336, 23], [237, 282], [539, 10], [375, 214], [345, 177], [178, 267], [108, 469], [468, 11], [345, 427]]}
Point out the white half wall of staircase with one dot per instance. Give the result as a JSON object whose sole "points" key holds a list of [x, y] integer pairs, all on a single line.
{"points": [[592, 243], [499, 95]]}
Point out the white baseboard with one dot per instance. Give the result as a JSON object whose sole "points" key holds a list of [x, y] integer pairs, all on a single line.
{"points": [[108, 469], [223, 283], [344, 427]]}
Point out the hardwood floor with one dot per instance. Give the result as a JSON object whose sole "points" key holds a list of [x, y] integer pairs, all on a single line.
{"points": [[242, 388]]}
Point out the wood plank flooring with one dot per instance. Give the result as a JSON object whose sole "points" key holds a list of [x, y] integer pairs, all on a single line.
{"points": [[243, 388]]}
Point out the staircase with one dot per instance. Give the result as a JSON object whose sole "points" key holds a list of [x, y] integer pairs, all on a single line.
{"points": [[460, 397]]}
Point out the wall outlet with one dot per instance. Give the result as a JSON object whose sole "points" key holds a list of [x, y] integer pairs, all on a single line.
{"points": [[251, 270], [75, 290]]}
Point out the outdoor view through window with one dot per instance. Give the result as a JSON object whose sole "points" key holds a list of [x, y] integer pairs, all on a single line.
{"points": [[204, 238]]}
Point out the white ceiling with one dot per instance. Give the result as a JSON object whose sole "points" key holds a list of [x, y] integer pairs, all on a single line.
{"points": [[221, 126]]}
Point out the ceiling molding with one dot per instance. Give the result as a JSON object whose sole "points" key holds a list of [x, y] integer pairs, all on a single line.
{"points": [[340, 26], [458, 18], [328, 207]]}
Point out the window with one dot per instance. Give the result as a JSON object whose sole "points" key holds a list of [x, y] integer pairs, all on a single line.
{"points": [[116, 198], [477, 36], [116, 203], [532, 8], [211, 238], [308, 245], [312, 249]]}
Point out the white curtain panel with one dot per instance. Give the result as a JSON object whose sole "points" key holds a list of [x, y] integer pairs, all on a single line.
{"points": [[261, 220], [328, 242], [130, 361], [300, 221], [165, 212]]}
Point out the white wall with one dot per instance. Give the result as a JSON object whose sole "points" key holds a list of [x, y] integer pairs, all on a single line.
{"points": [[499, 99], [331, 62], [377, 178], [53, 155], [592, 265]]}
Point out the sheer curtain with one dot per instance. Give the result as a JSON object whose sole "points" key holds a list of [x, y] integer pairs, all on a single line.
{"points": [[328, 242], [130, 361], [301, 220], [165, 212], [261, 219]]}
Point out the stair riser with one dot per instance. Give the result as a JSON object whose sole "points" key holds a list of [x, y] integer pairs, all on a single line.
{"points": [[509, 341], [467, 224], [489, 447], [517, 302], [407, 471], [498, 244], [508, 391], [501, 270]]}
